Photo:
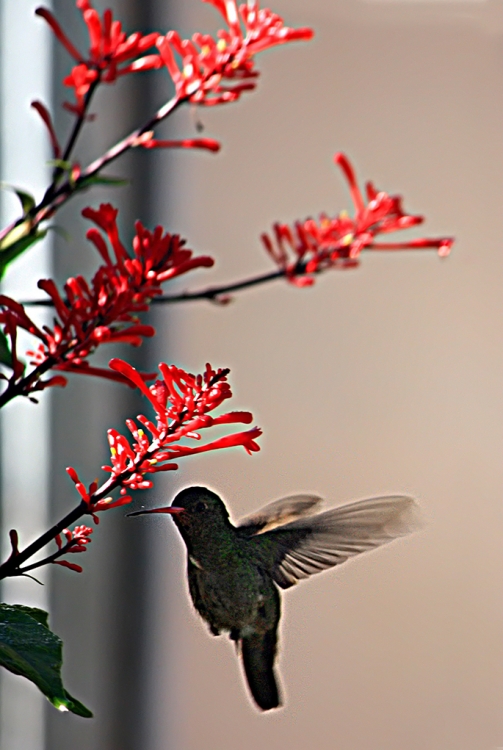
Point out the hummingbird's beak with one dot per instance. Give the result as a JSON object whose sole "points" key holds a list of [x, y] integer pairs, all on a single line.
{"points": [[172, 510]]}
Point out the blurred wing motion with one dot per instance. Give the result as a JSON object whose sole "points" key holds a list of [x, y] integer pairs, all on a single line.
{"points": [[279, 513], [309, 545]]}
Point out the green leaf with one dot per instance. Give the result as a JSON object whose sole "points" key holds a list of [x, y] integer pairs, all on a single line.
{"points": [[16, 242], [5, 352], [66, 166], [28, 648], [103, 179], [26, 199], [38, 614]]}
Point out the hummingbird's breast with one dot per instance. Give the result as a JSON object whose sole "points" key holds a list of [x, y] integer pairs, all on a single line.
{"points": [[231, 592]]}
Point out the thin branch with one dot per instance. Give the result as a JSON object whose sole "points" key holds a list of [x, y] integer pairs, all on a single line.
{"points": [[21, 387], [214, 292], [11, 566], [77, 127], [45, 209], [210, 293], [56, 198]]}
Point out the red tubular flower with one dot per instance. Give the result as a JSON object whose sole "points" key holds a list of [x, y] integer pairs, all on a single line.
{"points": [[47, 120], [111, 52], [181, 402], [12, 317], [75, 541], [207, 144], [206, 62], [105, 311], [66, 564], [310, 247]]}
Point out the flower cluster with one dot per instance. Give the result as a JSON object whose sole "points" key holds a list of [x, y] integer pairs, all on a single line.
{"points": [[106, 310], [312, 246], [205, 63], [111, 52], [182, 403], [76, 541]]}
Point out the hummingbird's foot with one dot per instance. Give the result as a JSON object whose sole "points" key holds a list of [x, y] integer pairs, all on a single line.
{"points": [[214, 630]]}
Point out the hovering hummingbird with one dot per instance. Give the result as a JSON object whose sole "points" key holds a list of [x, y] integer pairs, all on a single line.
{"points": [[234, 571]]}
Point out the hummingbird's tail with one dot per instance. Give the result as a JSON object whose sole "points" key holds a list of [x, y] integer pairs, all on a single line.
{"points": [[258, 651]]}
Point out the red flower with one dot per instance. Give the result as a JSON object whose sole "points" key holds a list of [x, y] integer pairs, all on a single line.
{"points": [[209, 144], [206, 62], [106, 310], [111, 52], [182, 404], [76, 541], [338, 242]]}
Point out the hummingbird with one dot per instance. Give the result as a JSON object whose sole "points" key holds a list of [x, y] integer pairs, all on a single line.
{"points": [[235, 573]]}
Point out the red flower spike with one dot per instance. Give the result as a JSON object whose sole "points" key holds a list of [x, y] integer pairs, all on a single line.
{"points": [[111, 52], [310, 247], [218, 71], [181, 402], [104, 310]]}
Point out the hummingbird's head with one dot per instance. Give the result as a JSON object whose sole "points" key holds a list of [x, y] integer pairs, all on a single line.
{"points": [[192, 508]]}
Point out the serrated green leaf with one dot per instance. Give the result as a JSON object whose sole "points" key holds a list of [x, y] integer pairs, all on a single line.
{"points": [[28, 648]]}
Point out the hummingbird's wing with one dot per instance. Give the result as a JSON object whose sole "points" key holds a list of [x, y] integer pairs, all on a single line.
{"points": [[309, 545], [278, 513]]}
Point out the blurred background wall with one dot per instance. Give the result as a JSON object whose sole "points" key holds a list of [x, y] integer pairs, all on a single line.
{"points": [[383, 379]]}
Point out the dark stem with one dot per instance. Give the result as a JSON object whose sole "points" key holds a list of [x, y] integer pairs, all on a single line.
{"points": [[68, 188], [59, 171], [11, 566], [210, 293], [214, 292], [45, 561], [22, 387], [55, 198]]}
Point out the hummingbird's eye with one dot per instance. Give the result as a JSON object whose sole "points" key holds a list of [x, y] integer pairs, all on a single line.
{"points": [[201, 507]]}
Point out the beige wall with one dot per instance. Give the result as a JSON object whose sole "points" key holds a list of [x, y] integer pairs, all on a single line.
{"points": [[385, 379]]}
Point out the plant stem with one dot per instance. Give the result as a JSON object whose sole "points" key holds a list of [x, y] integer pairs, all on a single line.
{"points": [[10, 567], [21, 387], [79, 122], [210, 293], [54, 199]]}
